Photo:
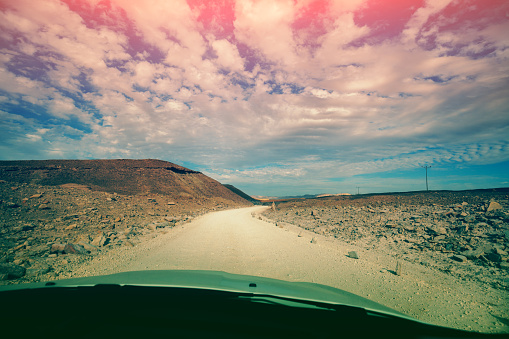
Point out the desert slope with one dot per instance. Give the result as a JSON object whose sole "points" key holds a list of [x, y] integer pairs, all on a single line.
{"points": [[122, 176]]}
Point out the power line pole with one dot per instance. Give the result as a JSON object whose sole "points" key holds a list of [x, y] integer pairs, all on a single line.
{"points": [[426, 167], [358, 189]]}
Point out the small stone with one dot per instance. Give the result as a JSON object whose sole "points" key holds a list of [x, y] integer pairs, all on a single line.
{"points": [[300, 234], [494, 257], [57, 248], [74, 249], [171, 203], [71, 227], [439, 238], [473, 254], [399, 268], [441, 230], [117, 219], [500, 251], [89, 248], [353, 255], [36, 196], [38, 250], [494, 206], [100, 240], [459, 258], [44, 207], [314, 240], [18, 247]]}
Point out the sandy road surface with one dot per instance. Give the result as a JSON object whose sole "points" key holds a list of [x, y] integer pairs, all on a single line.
{"points": [[236, 242]]}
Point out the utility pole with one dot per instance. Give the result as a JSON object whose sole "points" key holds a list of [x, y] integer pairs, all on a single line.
{"points": [[426, 167], [357, 189]]}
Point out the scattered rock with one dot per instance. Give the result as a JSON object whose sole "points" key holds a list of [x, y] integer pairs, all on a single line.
{"points": [[57, 248], [37, 269], [10, 271], [44, 207], [100, 240], [74, 249], [38, 250], [399, 268], [494, 257], [71, 227], [353, 255], [459, 258], [89, 248], [314, 240], [473, 254]]}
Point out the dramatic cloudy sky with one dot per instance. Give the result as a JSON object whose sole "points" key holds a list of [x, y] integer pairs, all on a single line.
{"points": [[275, 97]]}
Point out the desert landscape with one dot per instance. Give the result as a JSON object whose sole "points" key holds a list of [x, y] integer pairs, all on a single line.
{"points": [[465, 234], [56, 215], [64, 219]]}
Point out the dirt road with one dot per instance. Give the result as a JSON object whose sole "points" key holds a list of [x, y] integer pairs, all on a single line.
{"points": [[234, 241]]}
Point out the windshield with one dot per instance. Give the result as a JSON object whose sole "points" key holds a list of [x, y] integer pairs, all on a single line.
{"points": [[362, 145]]}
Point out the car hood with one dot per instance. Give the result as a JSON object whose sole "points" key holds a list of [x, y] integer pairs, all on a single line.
{"points": [[220, 281]]}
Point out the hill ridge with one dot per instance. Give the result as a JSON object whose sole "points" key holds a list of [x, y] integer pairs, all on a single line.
{"points": [[122, 176]]}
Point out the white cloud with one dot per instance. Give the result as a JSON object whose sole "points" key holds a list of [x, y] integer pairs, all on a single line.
{"points": [[265, 25], [228, 55]]}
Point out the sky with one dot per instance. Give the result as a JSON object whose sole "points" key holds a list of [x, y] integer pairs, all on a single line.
{"points": [[275, 97]]}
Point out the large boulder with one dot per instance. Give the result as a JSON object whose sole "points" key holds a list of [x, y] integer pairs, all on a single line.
{"points": [[9, 271], [494, 206]]}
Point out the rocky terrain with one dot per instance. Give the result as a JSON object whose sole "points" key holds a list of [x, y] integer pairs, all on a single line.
{"points": [[122, 176], [56, 215], [465, 234]]}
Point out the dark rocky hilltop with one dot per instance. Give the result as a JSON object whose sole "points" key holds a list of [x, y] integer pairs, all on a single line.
{"points": [[122, 176]]}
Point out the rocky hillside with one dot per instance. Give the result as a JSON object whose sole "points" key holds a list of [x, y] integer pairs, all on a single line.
{"points": [[460, 233], [57, 214], [242, 194], [122, 176]]}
